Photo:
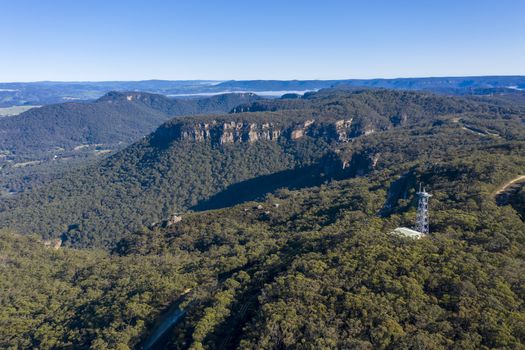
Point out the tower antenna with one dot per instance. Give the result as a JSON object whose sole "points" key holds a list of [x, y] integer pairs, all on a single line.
{"points": [[422, 211]]}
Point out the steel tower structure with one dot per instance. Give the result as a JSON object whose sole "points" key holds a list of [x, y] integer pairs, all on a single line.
{"points": [[422, 211]]}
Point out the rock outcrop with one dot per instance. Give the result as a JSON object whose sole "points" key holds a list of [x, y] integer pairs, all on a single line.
{"points": [[342, 129], [53, 243], [229, 132]]}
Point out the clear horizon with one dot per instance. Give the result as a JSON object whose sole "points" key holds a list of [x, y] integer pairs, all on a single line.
{"points": [[238, 40]]}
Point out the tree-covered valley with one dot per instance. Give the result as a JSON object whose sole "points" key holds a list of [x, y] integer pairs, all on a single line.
{"points": [[285, 241]]}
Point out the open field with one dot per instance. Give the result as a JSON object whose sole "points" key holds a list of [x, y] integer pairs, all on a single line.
{"points": [[14, 110]]}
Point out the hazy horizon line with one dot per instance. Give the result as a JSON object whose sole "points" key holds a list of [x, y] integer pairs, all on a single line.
{"points": [[268, 79]]}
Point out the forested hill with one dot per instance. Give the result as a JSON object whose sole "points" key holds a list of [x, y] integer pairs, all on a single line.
{"points": [[297, 252], [216, 161], [113, 120], [314, 266]]}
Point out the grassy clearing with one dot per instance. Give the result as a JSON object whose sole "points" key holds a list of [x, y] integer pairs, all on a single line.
{"points": [[14, 110]]}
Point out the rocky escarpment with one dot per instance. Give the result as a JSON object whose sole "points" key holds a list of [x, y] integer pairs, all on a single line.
{"points": [[229, 132]]}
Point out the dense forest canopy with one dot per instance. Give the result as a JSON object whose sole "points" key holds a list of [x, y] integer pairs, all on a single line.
{"points": [[297, 252], [318, 270]]}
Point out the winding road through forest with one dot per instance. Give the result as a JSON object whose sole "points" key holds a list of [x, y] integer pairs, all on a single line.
{"points": [[506, 185], [505, 192]]}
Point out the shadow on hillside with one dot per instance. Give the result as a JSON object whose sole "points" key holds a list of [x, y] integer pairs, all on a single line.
{"points": [[258, 187], [329, 167], [399, 189]]}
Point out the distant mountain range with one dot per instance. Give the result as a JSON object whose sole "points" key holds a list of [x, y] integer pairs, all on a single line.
{"points": [[39, 93]]}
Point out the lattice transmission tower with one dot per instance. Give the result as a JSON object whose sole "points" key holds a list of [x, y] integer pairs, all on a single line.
{"points": [[422, 211]]}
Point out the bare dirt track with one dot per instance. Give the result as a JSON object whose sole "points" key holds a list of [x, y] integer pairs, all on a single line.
{"points": [[508, 189], [506, 185]]}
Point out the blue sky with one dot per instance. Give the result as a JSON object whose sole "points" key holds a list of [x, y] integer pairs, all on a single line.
{"points": [[328, 39]]}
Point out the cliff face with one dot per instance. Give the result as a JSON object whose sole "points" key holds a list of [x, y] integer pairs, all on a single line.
{"points": [[230, 132]]}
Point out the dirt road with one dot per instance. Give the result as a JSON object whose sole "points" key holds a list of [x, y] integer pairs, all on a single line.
{"points": [[508, 184]]}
